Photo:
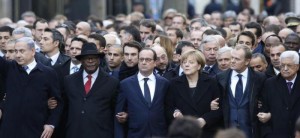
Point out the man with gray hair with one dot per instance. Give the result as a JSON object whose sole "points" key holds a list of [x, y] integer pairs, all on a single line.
{"points": [[21, 32], [224, 58], [282, 98], [29, 84], [210, 47], [229, 17], [198, 24]]}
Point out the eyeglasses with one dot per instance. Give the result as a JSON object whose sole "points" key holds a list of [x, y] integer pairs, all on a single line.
{"points": [[147, 60]]}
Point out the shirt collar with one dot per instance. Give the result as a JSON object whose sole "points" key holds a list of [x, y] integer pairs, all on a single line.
{"points": [[276, 71], [94, 75], [32, 65], [244, 73], [141, 77], [293, 80], [54, 58], [72, 65]]}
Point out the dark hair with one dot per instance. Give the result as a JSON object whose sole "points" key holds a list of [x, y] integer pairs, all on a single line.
{"points": [[261, 56], [133, 44], [256, 26], [6, 29], [178, 32], [40, 20], [249, 34], [154, 53], [222, 31], [99, 38], [293, 35], [134, 32], [79, 39], [182, 44], [57, 36], [237, 23], [186, 127], [149, 23], [211, 32]]}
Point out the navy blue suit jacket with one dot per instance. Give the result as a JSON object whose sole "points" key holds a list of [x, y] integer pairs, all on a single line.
{"points": [[25, 109], [143, 121]]}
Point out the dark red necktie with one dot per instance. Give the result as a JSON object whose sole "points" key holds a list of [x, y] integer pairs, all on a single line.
{"points": [[88, 84]]}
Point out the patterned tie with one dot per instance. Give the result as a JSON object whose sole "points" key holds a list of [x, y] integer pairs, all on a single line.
{"points": [[289, 84], [239, 89], [75, 69], [87, 85], [147, 92]]}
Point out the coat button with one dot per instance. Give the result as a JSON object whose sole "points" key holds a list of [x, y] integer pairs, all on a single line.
{"points": [[287, 108], [82, 112]]}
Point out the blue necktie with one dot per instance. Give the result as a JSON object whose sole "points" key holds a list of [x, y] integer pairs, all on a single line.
{"points": [[147, 92], [289, 84], [207, 68], [239, 89], [25, 68]]}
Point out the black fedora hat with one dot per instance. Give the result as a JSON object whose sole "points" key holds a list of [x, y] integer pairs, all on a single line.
{"points": [[88, 49]]}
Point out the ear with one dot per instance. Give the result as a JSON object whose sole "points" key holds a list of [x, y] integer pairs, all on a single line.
{"points": [[247, 62], [56, 43]]}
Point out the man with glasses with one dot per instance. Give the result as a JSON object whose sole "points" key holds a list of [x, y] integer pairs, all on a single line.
{"points": [[162, 63], [142, 97], [282, 98]]}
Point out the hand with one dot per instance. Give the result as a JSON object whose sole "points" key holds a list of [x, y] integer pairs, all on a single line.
{"points": [[177, 114], [264, 117], [202, 122], [52, 103], [214, 105], [122, 117], [48, 131]]}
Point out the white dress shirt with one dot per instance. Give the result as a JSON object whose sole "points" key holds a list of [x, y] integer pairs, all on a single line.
{"points": [[180, 70], [73, 65], [53, 58], [293, 81], [31, 66], [276, 71], [151, 83], [94, 77], [235, 79]]}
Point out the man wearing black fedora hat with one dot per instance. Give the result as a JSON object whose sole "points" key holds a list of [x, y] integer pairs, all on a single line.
{"points": [[91, 97]]}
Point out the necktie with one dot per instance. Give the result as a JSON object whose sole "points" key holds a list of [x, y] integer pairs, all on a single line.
{"points": [[207, 68], [25, 68], [87, 85], [239, 89], [289, 84], [75, 69], [147, 92]]}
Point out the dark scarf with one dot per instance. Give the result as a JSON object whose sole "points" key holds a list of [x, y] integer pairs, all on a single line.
{"points": [[126, 71]]}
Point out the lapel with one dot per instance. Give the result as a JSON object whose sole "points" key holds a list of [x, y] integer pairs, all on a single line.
{"points": [[183, 91], [157, 92], [137, 87], [201, 87], [79, 83], [100, 80], [295, 91], [282, 89]]}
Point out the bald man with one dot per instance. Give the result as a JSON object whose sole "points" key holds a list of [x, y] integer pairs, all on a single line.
{"points": [[83, 28], [284, 32], [162, 63]]}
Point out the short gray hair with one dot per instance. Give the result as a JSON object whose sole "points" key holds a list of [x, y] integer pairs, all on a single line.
{"points": [[208, 39], [290, 54], [224, 49], [28, 40], [22, 30], [229, 14], [199, 20]]}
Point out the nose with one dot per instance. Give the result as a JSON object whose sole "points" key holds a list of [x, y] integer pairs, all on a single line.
{"points": [[111, 57]]}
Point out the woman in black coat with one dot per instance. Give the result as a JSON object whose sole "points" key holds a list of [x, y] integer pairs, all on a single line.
{"points": [[192, 93]]}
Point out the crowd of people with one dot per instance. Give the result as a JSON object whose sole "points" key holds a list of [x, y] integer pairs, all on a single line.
{"points": [[217, 75]]}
